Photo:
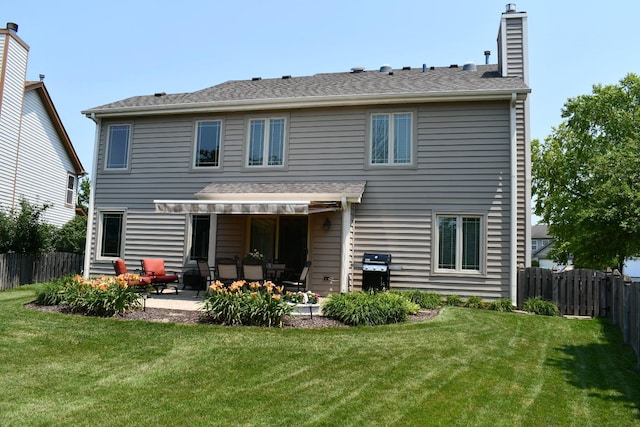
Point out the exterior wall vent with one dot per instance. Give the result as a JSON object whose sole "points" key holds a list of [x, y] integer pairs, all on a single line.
{"points": [[385, 68], [469, 66]]}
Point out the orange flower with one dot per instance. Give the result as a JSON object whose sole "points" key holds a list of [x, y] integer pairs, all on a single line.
{"points": [[275, 296]]}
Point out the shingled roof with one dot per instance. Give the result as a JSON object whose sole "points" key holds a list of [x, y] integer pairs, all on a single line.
{"points": [[328, 89]]}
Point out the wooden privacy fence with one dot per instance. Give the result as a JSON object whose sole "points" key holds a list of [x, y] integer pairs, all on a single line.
{"points": [[20, 269], [586, 292], [580, 292]]}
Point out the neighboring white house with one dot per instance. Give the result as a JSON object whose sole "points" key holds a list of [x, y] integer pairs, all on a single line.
{"points": [[38, 161], [541, 243]]}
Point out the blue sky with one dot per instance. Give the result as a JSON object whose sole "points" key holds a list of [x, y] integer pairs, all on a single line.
{"points": [[93, 53]]}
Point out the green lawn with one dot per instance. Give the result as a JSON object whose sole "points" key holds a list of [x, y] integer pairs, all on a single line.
{"points": [[466, 367]]}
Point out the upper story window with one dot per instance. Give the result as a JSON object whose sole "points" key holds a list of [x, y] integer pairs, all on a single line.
{"points": [[534, 245], [207, 152], [117, 156], [266, 142], [71, 189], [391, 138], [460, 243]]}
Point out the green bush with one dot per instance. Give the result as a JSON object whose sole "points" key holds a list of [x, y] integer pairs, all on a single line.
{"points": [[426, 300], [503, 304], [104, 297], [361, 308], [51, 293], [474, 302], [243, 303], [541, 306], [453, 300]]}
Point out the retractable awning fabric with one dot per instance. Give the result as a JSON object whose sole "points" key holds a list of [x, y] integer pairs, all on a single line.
{"points": [[268, 198]]}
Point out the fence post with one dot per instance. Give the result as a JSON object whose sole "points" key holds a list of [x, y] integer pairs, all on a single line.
{"points": [[626, 315]]}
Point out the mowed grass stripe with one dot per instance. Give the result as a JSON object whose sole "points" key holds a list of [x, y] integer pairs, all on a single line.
{"points": [[465, 367]]}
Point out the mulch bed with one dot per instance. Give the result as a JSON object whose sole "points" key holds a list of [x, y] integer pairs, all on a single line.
{"points": [[196, 317]]}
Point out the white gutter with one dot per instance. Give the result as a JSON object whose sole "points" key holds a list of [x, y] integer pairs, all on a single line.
{"points": [[513, 244], [306, 102], [88, 242]]}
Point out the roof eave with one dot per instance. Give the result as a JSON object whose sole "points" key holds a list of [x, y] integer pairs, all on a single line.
{"points": [[308, 102]]}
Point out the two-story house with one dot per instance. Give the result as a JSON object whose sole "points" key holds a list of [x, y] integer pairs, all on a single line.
{"points": [[428, 164], [38, 161]]}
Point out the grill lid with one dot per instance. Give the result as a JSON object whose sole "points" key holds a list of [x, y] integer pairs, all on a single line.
{"points": [[376, 258]]}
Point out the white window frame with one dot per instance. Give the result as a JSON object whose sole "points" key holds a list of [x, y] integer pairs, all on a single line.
{"points": [[391, 159], [70, 194], [534, 245], [267, 142], [107, 166], [100, 234], [458, 270], [196, 147]]}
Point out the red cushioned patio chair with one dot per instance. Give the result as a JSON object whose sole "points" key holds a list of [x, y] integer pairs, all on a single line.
{"points": [[161, 279], [120, 267]]}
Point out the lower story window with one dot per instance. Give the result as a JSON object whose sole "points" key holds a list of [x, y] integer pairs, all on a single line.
{"points": [[112, 231], [459, 242], [200, 226]]}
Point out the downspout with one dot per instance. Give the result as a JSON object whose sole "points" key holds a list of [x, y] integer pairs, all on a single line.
{"points": [[88, 240], [513, 211]]}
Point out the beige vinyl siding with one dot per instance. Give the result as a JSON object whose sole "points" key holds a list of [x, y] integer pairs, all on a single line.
{"points": [[147, 236], [231, 236], [462, 165], [324, 252], [515, 47]]}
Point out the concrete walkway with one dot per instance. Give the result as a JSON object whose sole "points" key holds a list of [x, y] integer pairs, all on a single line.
{"points": [[184, 300]]}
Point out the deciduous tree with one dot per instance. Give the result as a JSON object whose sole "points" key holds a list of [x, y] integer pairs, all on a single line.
{"points": [[586, 177]]}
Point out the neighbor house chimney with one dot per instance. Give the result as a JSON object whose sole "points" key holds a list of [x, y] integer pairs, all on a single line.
{"points": [[513, 44]]}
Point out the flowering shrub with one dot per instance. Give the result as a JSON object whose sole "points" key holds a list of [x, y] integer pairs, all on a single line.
{"points": [[302, 297], [104, 296], [254, 255], [246, 303]]}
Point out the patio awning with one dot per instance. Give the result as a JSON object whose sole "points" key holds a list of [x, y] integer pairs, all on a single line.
{"points": [[268, 198]]}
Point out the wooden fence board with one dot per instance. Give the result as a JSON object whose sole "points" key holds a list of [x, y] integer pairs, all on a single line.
{"points": [[19, 269]]}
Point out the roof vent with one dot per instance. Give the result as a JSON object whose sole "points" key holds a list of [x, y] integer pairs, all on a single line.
{"points": [[511, 7], [41, 76], [385, 68], [286, 77], [357, 69], [406, 68], [159, 94], [255, 79], [453, 66], [469, 66], [487, 54], [12, 26]]}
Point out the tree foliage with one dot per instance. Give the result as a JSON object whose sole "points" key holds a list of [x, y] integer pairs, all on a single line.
{"points": [[72, 236], [84, 193], [586, 177], [25, 231]]}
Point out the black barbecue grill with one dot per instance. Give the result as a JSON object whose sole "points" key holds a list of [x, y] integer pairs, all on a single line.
{"points": [[376, 274]]}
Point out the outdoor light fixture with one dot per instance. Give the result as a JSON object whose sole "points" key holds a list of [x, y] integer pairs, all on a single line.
{"points": [[327, 224]]}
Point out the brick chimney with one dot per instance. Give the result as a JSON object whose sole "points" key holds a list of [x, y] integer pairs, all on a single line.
{"points": [[513, 50]]}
